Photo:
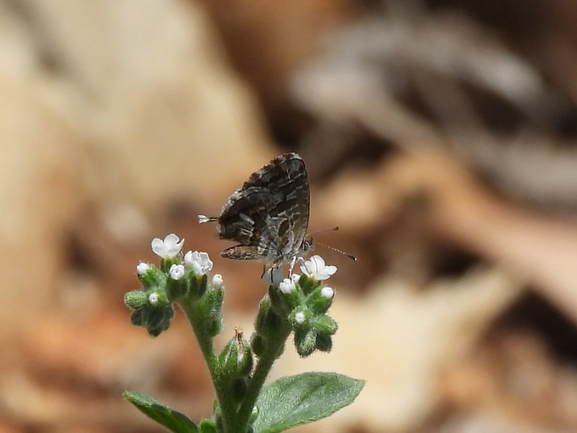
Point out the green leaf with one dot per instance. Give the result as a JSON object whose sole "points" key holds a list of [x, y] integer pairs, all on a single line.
{"points": [[174, 421], [304, 398]]}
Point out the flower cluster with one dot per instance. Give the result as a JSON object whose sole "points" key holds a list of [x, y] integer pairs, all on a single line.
{"points": [[176, 279], [297, 304], [304, 301]]}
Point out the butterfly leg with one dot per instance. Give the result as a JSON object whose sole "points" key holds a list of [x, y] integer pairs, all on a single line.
{"points": [[293, 261]]}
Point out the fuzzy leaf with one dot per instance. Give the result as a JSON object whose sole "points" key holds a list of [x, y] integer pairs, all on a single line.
{"points": [[174, 421], [304, 398]]}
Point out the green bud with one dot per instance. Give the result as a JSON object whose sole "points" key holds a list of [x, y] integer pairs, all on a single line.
{"points": [[325, 325], [198, 285], [308, 285], [155, 319], [278, 301], [136, 299], [153, 277], [236, 357], [152, 310], [138, 317], [176, 289], [165, 264], [268, 322], [261, 317], [210, 310], [300, 318], [291, 300], [305, 341], [324, 342], [207, 426], [318, 303]]}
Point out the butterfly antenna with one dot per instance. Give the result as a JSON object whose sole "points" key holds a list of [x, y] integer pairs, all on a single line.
{"points": [[350, 256], [332, 229], [204, 219]]}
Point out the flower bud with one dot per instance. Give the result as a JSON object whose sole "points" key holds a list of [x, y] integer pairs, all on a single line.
{"points": [[299, 317], [287, 286], [142, 268], [321, 299], [207, 426], [324, 343], [325, 325], [153, 298], [198, 285], [236, 357], [217, 280], [176, 289], [136, 299], [151, 277], [267, 322], [210, 309], [305, 341], [308, 284], [154, 318]]}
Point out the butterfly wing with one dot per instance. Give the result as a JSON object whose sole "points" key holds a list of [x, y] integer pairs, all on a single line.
{"points": [[269, 215]]}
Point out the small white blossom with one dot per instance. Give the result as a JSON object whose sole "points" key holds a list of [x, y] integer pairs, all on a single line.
{"points": [[287, 286], [315, 268], [142, 268], [217, 280], [200, 263], [167, 248], [176, 272], [295, 278], [327, 292], [153, 298], [272, 276], [300, 317]]}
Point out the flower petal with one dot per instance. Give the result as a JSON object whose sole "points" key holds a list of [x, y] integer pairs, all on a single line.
{"points": [[315, 268]]}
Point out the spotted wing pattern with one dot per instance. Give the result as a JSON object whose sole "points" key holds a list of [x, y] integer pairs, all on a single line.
{"points": [[269, 215]]}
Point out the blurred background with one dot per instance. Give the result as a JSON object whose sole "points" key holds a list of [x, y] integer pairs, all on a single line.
{"points": [[440, 135]]}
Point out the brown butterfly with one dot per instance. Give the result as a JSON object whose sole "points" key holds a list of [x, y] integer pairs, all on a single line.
{"points": [[269, 215]]}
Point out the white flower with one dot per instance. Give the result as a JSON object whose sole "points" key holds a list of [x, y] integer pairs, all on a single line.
{"points": [[295, 278], [200, 263], [300, 317], [176, 272], [316, 268], [327, 292], [217, 280], [153, 298], [272, 276], [142, 268], [167, 248], [287, 286]]}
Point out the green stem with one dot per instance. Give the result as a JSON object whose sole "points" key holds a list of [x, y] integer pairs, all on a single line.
{"points": [[226, 404], [259, 376], [235, 419]]}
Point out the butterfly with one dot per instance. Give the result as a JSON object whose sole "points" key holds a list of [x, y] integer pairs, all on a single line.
{"points": [[269, 215]]}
